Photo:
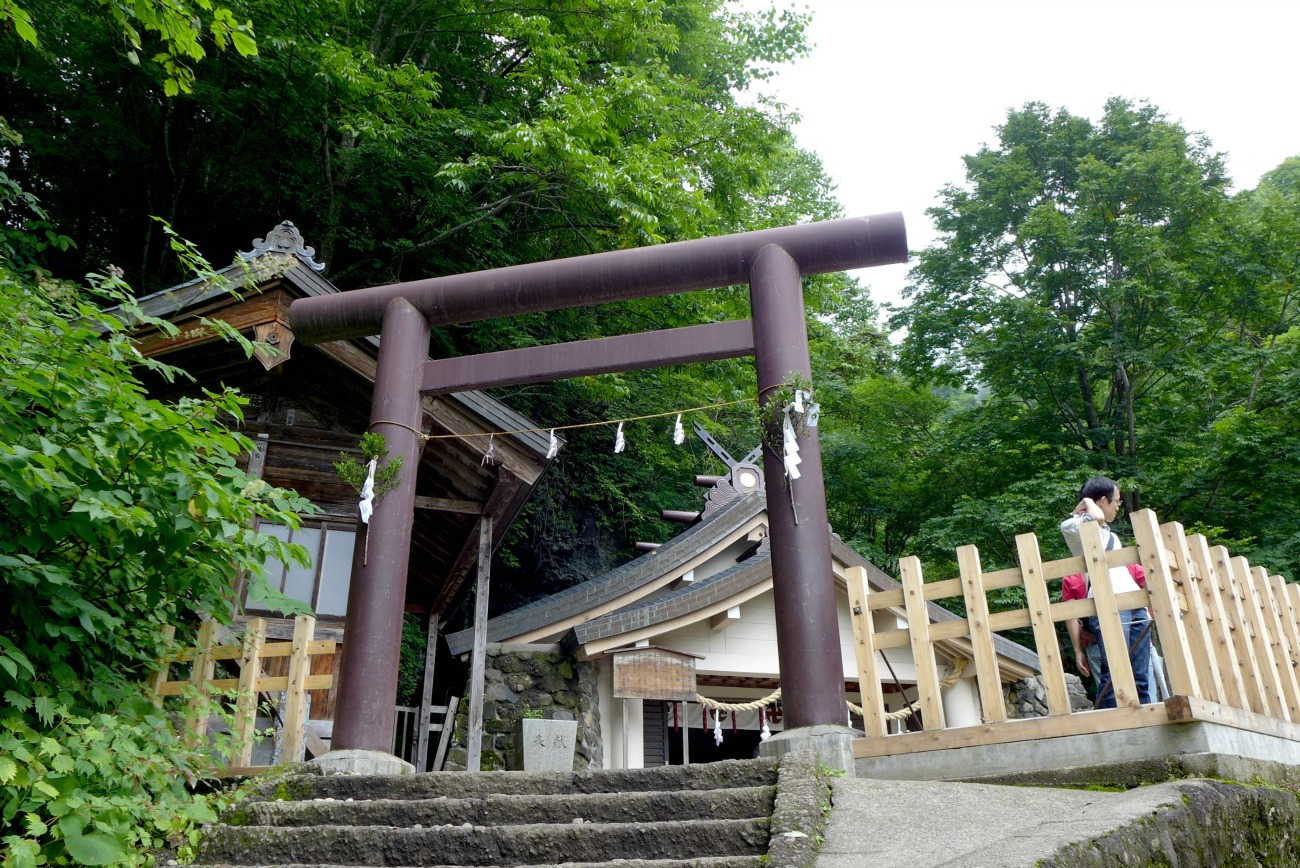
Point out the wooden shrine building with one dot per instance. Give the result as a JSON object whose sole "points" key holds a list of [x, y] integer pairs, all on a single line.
{"points": [[308, 403]]}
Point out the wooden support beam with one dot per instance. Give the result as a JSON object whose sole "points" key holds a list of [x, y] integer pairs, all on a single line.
{"points": [[443, 504], [426, 695], [544, 364], [506, 486], [474, 727]]}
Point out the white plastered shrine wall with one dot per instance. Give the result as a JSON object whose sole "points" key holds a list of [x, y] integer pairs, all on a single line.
{"points": [[746, 646]]}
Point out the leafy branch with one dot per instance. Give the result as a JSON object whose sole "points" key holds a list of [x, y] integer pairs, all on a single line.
{"points": [[373, 448]]}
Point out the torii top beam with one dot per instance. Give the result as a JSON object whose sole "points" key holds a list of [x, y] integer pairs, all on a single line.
{"points": [[599, 278]]}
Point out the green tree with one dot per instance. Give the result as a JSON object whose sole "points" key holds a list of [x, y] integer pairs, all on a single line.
{"points": [[175, 28], [414, 139], [1111, 309], [1072, 271], [118, 514]]}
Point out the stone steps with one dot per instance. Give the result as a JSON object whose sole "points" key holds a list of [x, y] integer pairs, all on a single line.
{"points": [[702, 862], [529, 844], [500, 810], [710, 776], [716, 815]]}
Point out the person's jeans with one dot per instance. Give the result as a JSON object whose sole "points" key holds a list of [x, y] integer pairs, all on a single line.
{"points": [[1134, 624]]}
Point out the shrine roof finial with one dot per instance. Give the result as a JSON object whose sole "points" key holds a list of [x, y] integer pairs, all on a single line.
{"points": [[285, 238]]}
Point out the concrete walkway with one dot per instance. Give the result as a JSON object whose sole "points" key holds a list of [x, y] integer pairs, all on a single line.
{"points": [[932, 824]]}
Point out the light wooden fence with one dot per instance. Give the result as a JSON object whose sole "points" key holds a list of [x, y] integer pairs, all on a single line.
{"points": [[1228, 632], [251, 683]]}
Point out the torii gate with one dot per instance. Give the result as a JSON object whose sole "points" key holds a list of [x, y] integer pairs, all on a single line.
{"points": [[771, 261]]}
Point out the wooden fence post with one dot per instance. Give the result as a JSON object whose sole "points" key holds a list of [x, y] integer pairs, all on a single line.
{"points": [[159, 676], [1269, 632], [864, 647], [201, 671], [1040, 618], [1278, 641], [1222, 630], [1270, 684], [250, 669], [1251, 679], [1114, 642], [987, 677], [1174, 638], [1287, 615], [918, 631], [1203, 624], [295, 714]]}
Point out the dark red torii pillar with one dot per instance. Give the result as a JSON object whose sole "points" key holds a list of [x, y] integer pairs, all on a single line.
{"points": [[772, 261]]}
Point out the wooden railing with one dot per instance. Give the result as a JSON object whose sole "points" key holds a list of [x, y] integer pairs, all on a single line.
{"points": [[406, 732], [251, 683], [1228, 631]]}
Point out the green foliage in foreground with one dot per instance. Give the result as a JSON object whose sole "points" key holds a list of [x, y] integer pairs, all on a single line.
{"points": [[118, 514]]}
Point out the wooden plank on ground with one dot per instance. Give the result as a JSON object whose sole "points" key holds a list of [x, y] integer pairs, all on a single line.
{"points": [[1220, 622], [1081, 723], [250, 667], [1181, 648], [1112, 632], [1198, 625], [864, 649], [449, 726], [918, 627], [994, 709], [1039, 605]]}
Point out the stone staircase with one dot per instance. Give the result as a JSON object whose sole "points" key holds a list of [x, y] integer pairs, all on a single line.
{"points": [[735, 814]]}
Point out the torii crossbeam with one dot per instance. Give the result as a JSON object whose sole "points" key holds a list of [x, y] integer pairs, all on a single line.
{"points": [[771, 261]]}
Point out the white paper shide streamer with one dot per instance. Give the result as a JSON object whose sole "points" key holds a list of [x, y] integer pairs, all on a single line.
{"points": [[790, 440], [490, 457], [619, 443], [367, 504], [790, 447], [765, 733], [679, 433], [717, 726], [554, 449]]}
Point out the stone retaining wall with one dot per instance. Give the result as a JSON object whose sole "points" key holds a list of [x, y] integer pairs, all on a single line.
{"points": [[540, 678], [1028, 698]]}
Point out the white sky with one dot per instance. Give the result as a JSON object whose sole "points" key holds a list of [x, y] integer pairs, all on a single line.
{"points": [[897, 91]]}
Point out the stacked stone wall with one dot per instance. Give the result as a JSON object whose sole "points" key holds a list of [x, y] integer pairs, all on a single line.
{"points": [[1028, 698], [530, 681]]}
